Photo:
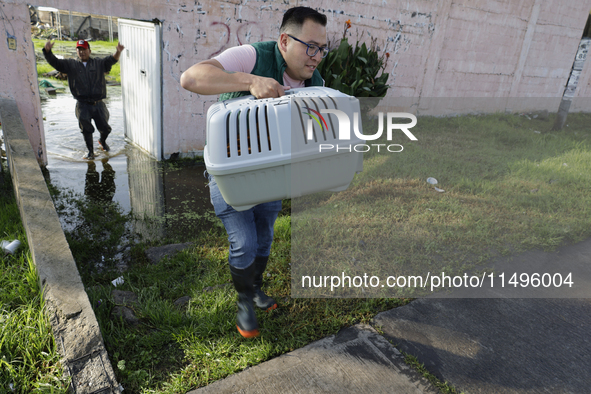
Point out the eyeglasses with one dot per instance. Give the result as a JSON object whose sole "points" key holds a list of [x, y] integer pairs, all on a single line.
{"points": [[312, 49]]}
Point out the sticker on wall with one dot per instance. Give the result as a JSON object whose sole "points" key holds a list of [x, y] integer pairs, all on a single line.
{"points": [[11, 42]]}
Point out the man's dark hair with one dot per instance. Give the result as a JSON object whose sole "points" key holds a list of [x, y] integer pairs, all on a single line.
{"points": [[295, 17]]}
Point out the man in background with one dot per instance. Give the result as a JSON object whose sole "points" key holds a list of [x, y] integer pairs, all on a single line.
{"points": [[86, 77]]}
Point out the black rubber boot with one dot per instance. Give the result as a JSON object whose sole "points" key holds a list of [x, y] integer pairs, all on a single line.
{"points": [[246, 319], [260, 299], [89, 143], [103, 142]]}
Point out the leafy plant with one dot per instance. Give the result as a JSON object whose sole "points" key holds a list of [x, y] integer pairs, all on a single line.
{"points": [[357, 71]]}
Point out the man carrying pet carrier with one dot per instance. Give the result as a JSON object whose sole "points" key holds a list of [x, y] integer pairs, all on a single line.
{"points": [[265, 70]]}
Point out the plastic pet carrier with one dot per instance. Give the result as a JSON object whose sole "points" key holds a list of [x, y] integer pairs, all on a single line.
{"points": [[261, 150]]}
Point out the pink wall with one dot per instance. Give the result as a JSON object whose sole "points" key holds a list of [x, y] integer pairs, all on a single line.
{"points": [[18, 73], [445, 48]]}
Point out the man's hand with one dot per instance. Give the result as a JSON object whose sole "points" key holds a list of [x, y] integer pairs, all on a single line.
{"points": [[48, 46], [120, 48], [263, 87]]}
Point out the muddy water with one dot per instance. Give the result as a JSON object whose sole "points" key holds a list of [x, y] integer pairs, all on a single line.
{"points": [[172, 198], [63, 138]]}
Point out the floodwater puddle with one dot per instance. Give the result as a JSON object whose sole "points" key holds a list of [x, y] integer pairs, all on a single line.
{"points": [[170, 199]]}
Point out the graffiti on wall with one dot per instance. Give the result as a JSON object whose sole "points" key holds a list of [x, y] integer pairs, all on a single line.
{"points": [[224, 37], [249, 31], [246, 33]]}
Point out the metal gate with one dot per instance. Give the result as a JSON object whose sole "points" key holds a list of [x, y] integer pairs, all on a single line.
{"points": [[141, 84]]}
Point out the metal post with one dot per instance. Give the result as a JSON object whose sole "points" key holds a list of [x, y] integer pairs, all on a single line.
{"points": [[1, 169], [59, 26], [562, 113], [110, 29], [571, 85]]}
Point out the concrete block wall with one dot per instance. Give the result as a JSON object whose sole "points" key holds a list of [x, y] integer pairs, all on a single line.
{"points": [[442, 48], [100, 26], [554, 45]]}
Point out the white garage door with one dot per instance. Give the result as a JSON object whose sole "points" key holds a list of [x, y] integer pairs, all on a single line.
{"points": [[141, 84]]}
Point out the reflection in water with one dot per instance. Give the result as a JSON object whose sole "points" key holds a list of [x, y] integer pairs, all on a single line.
{"points": [[146, 194], [172, 199], [100, 188]]}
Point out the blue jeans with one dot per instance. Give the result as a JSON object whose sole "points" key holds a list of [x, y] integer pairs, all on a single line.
{"points": [[250, 232]]}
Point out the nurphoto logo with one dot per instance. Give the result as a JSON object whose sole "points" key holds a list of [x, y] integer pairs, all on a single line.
{"points": [[344, 129]]}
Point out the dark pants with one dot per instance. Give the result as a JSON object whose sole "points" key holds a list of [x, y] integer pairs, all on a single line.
{"points": [[98, 112]]}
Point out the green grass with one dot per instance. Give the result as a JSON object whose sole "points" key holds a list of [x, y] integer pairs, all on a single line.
{"points": [[43, 68], [506, 190], [173, 349], [444, 387], [68, 48], [28, 357]]}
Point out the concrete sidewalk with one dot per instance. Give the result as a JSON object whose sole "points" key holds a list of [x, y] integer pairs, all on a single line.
{"points": [[498, 345], [477, 345], [356, 360]]}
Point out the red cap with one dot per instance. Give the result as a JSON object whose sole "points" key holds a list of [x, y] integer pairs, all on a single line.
{"points": [[82, 44]]}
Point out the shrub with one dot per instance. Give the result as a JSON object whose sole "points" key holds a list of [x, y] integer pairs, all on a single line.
{"points": [[355, 71]]}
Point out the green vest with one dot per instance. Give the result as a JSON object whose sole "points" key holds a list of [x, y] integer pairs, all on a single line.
{"points": [[270, 64]]}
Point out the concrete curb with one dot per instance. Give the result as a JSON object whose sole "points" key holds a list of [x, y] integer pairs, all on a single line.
{"points": [[75, 328]]}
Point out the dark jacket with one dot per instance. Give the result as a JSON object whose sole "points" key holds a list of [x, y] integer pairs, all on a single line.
{"points": [[270, 64], [87, 83]]}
